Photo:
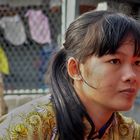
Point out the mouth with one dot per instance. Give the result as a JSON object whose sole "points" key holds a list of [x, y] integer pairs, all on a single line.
{"points": [[130, 92]]}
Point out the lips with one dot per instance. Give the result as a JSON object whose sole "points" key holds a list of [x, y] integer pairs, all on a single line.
{"points": [[129, 91]]}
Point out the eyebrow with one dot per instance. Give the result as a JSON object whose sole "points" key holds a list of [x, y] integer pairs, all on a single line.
{"points": [[121, 53]]}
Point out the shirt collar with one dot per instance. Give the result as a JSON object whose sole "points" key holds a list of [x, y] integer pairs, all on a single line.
{"points": [[90, 131]]}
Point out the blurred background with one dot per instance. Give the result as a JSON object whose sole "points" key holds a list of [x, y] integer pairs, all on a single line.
{"points": [[31, 31]]}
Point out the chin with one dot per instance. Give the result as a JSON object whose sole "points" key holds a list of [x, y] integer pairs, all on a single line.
{"points": [[125, 107]]}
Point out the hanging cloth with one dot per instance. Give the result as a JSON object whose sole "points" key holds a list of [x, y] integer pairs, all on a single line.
{"points": [[13, 29], [4, 65], [39, 26]]}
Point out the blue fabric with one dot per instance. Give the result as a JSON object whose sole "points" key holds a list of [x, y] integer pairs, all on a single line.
{"points": [[46, 53]]}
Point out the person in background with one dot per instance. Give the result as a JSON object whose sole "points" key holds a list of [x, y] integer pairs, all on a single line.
{"points": [[94, 76]]}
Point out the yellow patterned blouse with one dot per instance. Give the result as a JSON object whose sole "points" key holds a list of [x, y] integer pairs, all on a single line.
{"points": [[36, 121]]}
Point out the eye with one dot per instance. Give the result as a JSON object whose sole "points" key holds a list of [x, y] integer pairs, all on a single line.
{"points": [[114, 61], [137, 62]]}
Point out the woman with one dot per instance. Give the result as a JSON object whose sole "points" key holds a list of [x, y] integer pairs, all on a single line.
{"points": [[94, 76]]}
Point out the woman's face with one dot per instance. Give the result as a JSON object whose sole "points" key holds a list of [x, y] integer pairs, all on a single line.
{"points": [[116, 78]]}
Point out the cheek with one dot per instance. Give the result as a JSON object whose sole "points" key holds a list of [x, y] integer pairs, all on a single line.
{"points": [[139, 81], [138, 78], [96, 77], [104, 79], [99, 75]]}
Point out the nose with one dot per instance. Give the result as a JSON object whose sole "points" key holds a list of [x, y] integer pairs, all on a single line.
{"points": [[129, 75]]}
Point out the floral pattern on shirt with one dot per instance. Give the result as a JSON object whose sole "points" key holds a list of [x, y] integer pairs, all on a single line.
{"points": [[36, 124], [36, 121]]}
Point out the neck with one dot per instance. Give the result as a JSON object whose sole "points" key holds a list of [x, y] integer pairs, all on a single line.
{"points": [[98, 115]]}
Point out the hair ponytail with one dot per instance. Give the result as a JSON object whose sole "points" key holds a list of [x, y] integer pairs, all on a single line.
{"points": [[69, 110]]}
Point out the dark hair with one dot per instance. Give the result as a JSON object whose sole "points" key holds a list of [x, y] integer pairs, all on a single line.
{"points": [[97, 33]]}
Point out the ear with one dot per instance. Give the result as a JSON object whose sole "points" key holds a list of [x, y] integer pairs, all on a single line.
{"points": [[72, 68]]}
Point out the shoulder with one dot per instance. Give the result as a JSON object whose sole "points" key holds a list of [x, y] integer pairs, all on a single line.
{"points": [[128, 126], [123, 119], [34, 119]]}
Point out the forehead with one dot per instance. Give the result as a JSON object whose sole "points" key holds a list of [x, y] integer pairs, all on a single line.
{"points": [[128, 40], [127, 45]]}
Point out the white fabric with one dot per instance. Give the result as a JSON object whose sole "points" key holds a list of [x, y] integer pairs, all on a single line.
{"points": [[13, 29]]}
